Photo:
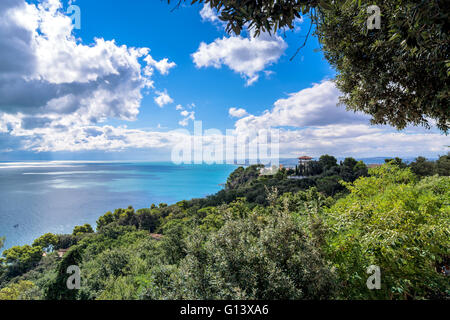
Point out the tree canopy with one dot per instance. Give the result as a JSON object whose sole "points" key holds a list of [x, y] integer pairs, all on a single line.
{"points": [[17, 291], [79, 230], [22, 258], [46, 241], [397, 223], [399, 74]]}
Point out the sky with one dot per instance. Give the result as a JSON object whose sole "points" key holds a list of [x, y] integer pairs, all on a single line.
{"points": [[131, 82]]}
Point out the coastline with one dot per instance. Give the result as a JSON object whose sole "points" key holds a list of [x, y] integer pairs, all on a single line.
{"points": [[60, 195]]}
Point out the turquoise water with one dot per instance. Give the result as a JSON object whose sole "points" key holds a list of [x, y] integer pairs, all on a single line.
{"points": [[41, 197]]}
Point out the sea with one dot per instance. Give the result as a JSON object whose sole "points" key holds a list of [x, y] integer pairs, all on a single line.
{"points": [[37, 197]]}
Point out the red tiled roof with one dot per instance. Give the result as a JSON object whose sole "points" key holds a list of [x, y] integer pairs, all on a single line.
{"points": [[156, 236], [62, 252]]}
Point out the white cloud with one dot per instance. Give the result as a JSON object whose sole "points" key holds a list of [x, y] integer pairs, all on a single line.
{"points": [[310, 122], [357, 139], [187, 116], [360, 141], [163, 66], [246, 56], [46, 72], [208, 14], [315, 106], [237, 113], [85, 137], [163, 98], [297, 24], [106, 138], [268, 73]]}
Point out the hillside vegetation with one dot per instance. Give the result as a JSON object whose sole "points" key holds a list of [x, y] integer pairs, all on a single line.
{"points": [[262, 237]]}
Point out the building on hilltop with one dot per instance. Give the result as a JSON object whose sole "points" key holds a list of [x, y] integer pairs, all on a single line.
{"points": [[303, 165], [304, 159]]}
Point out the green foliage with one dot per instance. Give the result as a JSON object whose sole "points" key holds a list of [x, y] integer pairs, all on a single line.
{"points": [[397, 161], [22, 258], [174, 242], [120, 288], [422, 167], [261, 15], [84, 229], [22, 290], [57, 287], [106, 267], [327, 162], [243, 177], [146, 218], [255, 258], [391, 220], [213, 219], [330, 185], [443, 165], [104, 220], [349, 169], [47, 241], [324, 174], [66, 241], [399, 74]]}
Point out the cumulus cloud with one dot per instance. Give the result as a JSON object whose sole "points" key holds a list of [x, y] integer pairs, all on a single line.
{"points": [[54, 138], [46, 72], [315, 106], [246, 56], [237, 113], [187, 115], [163, 66], [311, 122], [348, 138], [163, 98], [208, 14], [360, 141]]}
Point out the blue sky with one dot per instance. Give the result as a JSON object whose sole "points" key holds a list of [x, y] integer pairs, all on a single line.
{"points": [[77, 95], [176, 35]]}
